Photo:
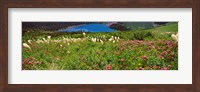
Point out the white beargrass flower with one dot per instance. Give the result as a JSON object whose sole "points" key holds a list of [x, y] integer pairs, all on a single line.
{"points": [[68, 51], [98, 40], [117, 39], [29, 41], [78, 39], [111, 39], [39, 41], [101, 41], [84, 34], [174, 37], [49, 37], [44, 39], [75, 40], [168, 32], [25, 45], [93, 39]]}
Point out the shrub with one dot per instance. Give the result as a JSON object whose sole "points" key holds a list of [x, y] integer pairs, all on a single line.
{"points": [[141, 35]]}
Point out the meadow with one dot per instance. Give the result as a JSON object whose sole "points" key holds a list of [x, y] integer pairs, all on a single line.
{"points": [[150, 49]]}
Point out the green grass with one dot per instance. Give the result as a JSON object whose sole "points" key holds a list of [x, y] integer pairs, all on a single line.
{"points": [[151, 49], [167, 28]]}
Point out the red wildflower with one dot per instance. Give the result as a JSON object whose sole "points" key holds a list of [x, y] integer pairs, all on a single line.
{"points": [[122, 48], [144, 57], [164, 68], [163, 53], [168, 51], [30, 62], [108, 67], [170, 56], [162, 57], [159, 48], [169, 65]]}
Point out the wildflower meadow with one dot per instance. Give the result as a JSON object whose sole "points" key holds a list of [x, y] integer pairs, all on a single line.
{"points": [[147, 49]]}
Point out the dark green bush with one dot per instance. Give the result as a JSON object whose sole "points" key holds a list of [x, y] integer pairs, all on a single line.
{"points": [[141, 35]]}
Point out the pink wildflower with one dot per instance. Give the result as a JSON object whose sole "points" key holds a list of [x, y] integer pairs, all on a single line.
{"points": [[108, 67], [144, 57]]}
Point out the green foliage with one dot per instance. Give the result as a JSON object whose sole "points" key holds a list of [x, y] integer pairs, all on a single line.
{"points": [[141, 35], [154, 61]]}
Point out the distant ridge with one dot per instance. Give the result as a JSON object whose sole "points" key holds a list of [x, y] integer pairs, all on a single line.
{"points": [[54, 26]]}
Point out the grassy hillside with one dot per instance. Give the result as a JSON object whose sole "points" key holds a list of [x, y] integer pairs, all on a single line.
{"points": [[138, 26], [173, 27]]}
